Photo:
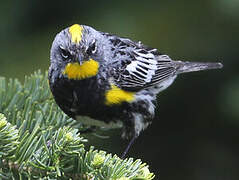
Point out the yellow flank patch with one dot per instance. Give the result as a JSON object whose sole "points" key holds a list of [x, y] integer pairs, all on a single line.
{"points": [[76, 33], [76, 71], [116, 96]]}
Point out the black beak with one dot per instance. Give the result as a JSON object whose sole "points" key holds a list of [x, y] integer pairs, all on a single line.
{"points": [[80, 59]]}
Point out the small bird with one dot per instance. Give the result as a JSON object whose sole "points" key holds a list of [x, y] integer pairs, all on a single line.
{"points": [[104, 80]]}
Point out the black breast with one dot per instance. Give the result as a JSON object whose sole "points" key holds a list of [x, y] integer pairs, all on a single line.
{"points": [[84, 98]]}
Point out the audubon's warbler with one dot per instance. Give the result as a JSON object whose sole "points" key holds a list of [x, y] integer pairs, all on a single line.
{"points": [[105, 80]]}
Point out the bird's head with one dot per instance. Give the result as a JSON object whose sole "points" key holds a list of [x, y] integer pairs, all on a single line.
{"points": [[75, 52]]}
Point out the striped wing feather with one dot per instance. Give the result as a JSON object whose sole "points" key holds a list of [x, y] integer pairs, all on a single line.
{"points": [[146, 70], [144, 67]]}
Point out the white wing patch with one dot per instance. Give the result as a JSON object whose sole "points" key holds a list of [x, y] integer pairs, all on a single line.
{"points": [[143, 67], [148, 55]]}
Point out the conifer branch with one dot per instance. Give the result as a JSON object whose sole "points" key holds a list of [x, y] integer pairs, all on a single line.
{"points": [[37, 140]]}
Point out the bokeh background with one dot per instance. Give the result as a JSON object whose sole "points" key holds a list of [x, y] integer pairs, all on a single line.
{"points": [[195, 135]]}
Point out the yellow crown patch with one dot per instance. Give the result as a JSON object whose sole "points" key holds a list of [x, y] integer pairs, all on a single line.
{"points": [[76, 33]]}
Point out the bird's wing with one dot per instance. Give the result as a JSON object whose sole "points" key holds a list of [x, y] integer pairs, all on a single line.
{"points": [[141, 67]]}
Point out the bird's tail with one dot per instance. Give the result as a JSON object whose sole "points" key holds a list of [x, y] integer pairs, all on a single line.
{"points": [[184, 67]]}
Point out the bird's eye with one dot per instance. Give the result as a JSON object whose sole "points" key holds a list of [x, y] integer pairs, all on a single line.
{"points": [[64, 53], [91, 49]]}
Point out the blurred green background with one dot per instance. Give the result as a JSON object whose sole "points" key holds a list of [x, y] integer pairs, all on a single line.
{"points": [[195, 135]]}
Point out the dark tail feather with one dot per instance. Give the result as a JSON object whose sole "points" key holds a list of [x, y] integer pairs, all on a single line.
{"points": [[184, 67]]}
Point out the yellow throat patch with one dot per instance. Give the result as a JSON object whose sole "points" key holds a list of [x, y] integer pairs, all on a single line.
{"points": [[76, 71], [76, 33], [116, 96]]}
